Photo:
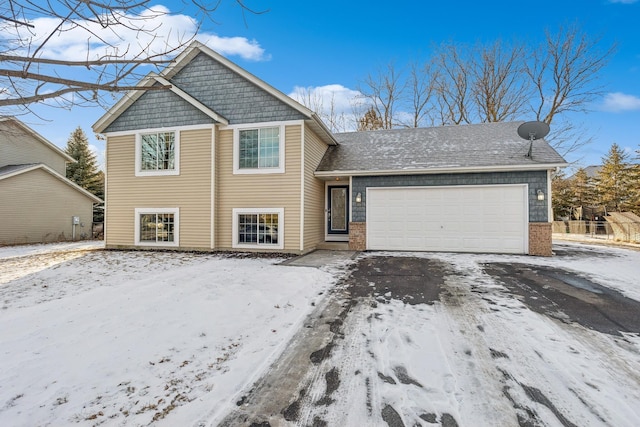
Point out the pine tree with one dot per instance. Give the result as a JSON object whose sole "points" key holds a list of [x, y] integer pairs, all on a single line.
{"points": [[614, 182], [84, 171], [562, 196], [583, 189]]}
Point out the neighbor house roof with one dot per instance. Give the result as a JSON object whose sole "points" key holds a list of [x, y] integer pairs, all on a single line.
{"points": [[27, 130], [165, 76], [13, 170], [462, 148]]}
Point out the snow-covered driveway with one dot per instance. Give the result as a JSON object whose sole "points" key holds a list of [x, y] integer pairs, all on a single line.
{"points": [[443, 339], [157, 338], [135, 338]]}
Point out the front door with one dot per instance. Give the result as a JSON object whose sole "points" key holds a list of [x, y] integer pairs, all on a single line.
{"points": [[338, 210]]}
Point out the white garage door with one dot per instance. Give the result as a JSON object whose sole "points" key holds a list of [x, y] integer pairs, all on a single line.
{"points": [[453, 219]]}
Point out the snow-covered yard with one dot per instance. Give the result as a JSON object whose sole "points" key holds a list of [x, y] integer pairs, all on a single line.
{"points": [[136, 338], [126, 338]]}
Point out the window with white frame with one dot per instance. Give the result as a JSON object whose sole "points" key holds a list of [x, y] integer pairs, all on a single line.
{"points": [[259, 150], [157, 153], [258, 228], [156, 227]]}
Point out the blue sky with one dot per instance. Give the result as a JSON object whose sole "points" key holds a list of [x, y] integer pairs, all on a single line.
{"points": [[317, 44]]}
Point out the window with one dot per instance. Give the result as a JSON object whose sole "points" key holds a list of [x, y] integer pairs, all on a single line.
{"points": [[156, 227], [258, 228], [157, 153], [259, 150]]}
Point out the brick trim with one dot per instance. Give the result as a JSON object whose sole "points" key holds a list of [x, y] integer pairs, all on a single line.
{"points": [[540, 243], [357, 236]]}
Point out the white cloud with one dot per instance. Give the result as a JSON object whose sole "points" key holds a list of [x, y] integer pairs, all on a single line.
{"points": [[337, 105], [336, 95], [617, 102], [155, 31]]}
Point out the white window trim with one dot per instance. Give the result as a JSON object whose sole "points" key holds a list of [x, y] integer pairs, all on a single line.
{"points": [[165, 172], [236, 149], [257, 211], [176, 226]]}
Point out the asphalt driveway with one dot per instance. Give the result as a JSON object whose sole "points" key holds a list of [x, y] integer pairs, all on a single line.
{"points": [[410, 339]]}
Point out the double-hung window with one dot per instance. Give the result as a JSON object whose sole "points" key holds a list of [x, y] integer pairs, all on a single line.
{"points": [[258, 228], [157, 153], [156, 226], [259, 150]]}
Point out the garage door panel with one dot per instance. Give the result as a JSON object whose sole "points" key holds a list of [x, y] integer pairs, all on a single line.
{"points": [[458, 219]]}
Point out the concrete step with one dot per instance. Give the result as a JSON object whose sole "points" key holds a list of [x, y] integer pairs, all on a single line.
{"points": [[334, 246]]}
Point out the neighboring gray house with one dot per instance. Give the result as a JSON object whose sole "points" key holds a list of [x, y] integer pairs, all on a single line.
{"points": [[37, 202], [221, 160]]}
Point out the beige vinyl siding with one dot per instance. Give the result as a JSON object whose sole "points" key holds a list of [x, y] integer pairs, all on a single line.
{"points": [[18, 148], [281, 190], [314, 191], [38, 207], [190, 191]]}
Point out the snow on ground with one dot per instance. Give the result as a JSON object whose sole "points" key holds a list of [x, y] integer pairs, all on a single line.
{"points": [[480, 357], [94, 337]]}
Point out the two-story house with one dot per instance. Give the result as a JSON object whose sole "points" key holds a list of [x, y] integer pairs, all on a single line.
{"points": [[37, 202], [220, 160]]}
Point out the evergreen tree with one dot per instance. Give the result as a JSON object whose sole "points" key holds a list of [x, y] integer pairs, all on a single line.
{"points": [[562, 196], [583, 189], [614, 182], [84, 171]]}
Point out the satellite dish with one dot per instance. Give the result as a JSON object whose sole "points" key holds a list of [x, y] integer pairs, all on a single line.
{"points": [[532, 131]]}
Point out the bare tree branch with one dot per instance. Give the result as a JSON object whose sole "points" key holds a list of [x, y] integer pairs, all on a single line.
{"points": [[118, 36]]}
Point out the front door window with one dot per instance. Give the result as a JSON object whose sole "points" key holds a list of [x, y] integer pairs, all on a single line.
{"points": [[338, 219]]}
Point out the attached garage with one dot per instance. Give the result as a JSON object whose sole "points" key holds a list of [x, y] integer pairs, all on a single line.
{"points": [[472, 188], [489, 218]]}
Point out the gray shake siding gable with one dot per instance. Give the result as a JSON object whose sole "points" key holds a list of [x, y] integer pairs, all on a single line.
{"points": [[229, 94], [214, 85], [158, 109], [535, 179]]}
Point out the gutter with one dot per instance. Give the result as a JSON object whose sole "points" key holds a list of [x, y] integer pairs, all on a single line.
{"points": [[439, 170]]}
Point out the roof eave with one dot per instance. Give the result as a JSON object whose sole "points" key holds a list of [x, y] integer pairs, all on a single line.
{"points": [[123, 103], [441, 170]]}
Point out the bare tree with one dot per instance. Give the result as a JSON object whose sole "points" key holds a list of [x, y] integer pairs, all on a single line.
{"points": [[383, 91], [499, 91], [30, 72], [370, 120], [453, 85], [421, 86], [325, 106], [564, 72]]}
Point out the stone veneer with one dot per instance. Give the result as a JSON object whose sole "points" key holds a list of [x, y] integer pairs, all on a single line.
{"points": [[357, 236], [540, 239]]}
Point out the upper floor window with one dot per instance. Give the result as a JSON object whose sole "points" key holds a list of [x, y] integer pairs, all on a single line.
{"points": [[259, 150], [157, 153]]}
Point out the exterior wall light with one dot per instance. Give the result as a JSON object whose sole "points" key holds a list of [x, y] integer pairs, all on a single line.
{"points": [[540, 194], [359, 198]]}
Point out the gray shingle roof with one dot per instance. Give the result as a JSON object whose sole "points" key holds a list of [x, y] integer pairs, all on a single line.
{"points": [[479, 146], [9, 169]]}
